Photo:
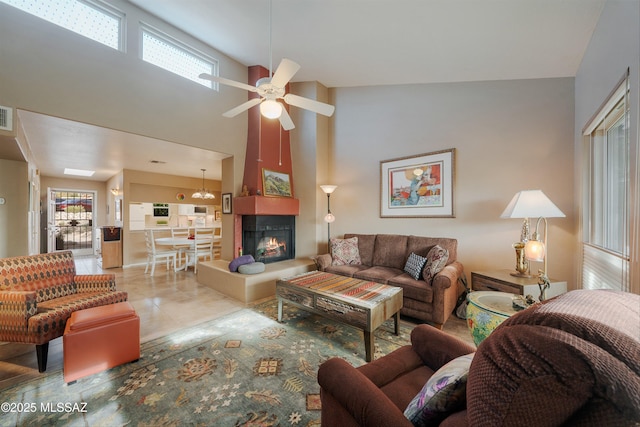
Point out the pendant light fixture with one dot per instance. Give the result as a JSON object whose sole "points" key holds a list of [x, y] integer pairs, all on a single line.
{"points": [[203, 193]]}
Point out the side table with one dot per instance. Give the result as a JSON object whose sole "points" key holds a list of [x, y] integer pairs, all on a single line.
{"points": [[487, 310], [503, 281]]}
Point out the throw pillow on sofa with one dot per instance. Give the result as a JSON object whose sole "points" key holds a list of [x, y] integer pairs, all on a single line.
{"points": [[445, 392], [436, 260], [345, 251], [415, 264]]}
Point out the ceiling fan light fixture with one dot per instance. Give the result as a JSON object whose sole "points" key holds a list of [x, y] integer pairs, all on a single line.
{"points": [[271, 109]]}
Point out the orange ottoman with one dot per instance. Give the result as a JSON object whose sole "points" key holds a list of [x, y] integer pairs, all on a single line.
{"points": [[99, 338]]}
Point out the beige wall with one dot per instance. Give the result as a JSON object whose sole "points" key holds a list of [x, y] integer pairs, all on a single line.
{"points": [[508, 135], [14, 186]]}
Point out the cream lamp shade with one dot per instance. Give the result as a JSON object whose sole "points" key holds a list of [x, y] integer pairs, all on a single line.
{"points": [[531, 204], [328, 189]]}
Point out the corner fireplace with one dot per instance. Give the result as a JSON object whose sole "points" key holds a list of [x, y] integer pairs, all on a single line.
{"points": [[269, 238]]}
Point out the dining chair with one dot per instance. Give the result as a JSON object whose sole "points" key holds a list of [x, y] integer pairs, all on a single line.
{"points": [[217, 241], [180, 232], [202, 248], [154, 254]]}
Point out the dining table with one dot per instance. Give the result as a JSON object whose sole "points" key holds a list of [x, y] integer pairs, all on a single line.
{"points": [[180, 241]]}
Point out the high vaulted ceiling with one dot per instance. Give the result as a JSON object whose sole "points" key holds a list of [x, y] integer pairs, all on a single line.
{"points": [[380, 42], [342, 43]]}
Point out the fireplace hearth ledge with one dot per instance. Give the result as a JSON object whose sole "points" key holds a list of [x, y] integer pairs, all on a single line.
{"points": [[249, 288]]}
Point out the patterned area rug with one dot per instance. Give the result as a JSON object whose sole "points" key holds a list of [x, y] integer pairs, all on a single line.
{"points": [[244, 369]]}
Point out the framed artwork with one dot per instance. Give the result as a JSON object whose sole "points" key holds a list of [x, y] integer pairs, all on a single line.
{"points": [[218, 216], [226, 203], [418, 186], [276, 183]]}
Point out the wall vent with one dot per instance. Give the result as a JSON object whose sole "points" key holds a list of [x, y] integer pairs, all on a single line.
{"points": [[6, 118]]}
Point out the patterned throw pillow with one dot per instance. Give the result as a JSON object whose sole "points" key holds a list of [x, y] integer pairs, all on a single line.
{"points": [[444, 393], [436, 260], [345, 251], [414, 265]]}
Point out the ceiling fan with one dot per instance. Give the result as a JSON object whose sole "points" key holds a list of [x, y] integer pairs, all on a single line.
{"points": [[271, 89]]}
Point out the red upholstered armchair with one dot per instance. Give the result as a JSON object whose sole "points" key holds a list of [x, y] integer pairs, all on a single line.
{"points": [[572, 360], [38, 293]]}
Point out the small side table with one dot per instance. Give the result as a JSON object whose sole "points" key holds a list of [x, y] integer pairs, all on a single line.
{"points": [[486, 310], [503, 281]]}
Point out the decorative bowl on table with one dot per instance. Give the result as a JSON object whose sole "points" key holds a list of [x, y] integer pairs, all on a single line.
{"points": [[486, 310]]}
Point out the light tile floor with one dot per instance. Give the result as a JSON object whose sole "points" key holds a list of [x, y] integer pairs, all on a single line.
{"points": [[166, 302]]}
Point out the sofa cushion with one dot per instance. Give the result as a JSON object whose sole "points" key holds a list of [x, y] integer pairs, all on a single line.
{"points": [[444, 393], [390, 251], [436, 260], [366, 244], [414, 265], [345, 251], [413, 289], [377, 274], [346, 270]]}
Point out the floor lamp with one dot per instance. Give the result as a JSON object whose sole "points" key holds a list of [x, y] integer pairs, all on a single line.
{"points": [[329, 218]]}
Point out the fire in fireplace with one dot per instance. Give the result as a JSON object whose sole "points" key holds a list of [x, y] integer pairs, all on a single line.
{"points": [[269, 238]]}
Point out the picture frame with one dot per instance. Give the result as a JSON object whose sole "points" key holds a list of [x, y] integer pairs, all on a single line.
{"points": [[419, 186], [218, 216], [226, 203], [276, 184]]}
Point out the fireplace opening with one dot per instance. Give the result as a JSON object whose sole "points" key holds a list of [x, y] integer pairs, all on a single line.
{"points": [[269, 238]]}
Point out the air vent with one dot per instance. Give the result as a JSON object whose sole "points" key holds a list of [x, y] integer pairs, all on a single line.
{"points": [[6, 118]]}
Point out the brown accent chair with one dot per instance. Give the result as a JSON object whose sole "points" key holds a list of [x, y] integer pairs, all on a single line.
{"points": [[572, 360], [38, 293], [383, 258]]}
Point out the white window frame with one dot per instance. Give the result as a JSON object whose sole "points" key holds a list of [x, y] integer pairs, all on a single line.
{"points": [[97, 5], [605, 265], [177, 44]]}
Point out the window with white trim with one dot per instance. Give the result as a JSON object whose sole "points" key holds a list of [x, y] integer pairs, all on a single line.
{"points": [[165, 52], [606, 195], [92, 19]]}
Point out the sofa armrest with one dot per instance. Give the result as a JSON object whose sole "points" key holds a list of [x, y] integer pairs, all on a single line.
{"points": [[95, 282], [356, 396], [323, 261], [446, 290], [16, 307], [448, 277], [435, 347]]}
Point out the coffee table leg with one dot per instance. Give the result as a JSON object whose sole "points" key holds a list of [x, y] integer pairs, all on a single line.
{"points": [[279, 309], [368, 345], [396, 321]]}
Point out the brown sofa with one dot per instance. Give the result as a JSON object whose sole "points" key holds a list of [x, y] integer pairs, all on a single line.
{"points": [[572, 360], [383, 257], [38, 293]]}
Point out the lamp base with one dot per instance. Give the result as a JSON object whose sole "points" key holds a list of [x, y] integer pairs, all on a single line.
{"points": [[525, 275]]}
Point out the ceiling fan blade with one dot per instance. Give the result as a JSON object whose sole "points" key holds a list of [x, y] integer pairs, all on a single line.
{"points": [[309, 104], [284, 72], [242, 107], [228, 82], [285, 120]]}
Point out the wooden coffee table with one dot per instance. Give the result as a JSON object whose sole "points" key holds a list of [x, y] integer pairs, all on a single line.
{"points": [[360, 303]]}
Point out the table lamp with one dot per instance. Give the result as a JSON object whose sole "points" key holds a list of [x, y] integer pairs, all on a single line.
{"points": [[529, 204]]}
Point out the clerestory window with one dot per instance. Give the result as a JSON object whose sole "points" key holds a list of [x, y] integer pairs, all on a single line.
{"points": [[92, 19], [165, 52]]}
